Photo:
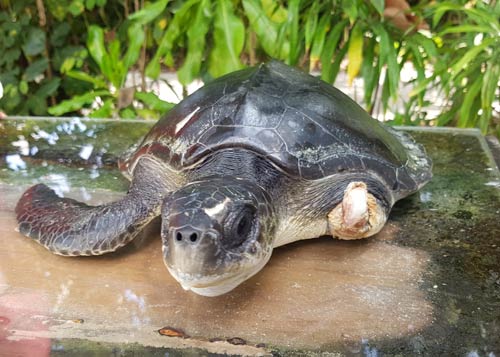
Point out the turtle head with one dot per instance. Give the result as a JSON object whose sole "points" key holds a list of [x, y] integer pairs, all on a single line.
{"points": [[216, 234]]}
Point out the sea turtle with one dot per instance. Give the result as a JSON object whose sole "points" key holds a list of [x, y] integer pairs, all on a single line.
{"points": [[253, 160]]}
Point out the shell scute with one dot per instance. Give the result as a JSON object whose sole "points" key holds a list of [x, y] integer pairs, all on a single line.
{"points": [[306, 127]]}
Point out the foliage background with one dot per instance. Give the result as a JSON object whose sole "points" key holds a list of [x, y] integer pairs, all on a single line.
{"points": [[65, 57]]}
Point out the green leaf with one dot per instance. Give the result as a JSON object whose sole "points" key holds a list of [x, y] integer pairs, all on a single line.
{"points": [[112, 65], [174, 30], [488, 90], [82, 76], [441, 8], [59, 34], [265, 29], [114, 50], [76, 7], [468, 57], [229, 38], [355, 53], [466, 28], [67, 64], [196, 35], [311, 24], [34, 43], [350, 7], [427, 44], [136, 39], [336, 63], [149, 12], [58, 9], [48, 88], [330, 48], [95, 44], [282, 40], [370, 72], [421, 86], [447, 116], [388, 56], [105, 111], [76, 103], [36, 105], [10, 56], [36, 69], [89, 4], [147, 113], [293, 31], [378, 5], [128, 113], [153, 102], [483, 15], [419, 65], [275, 11], [319, 41], [467, 117], [23, 87]]}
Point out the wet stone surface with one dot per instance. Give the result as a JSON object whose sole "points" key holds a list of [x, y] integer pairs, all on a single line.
{"points": [[428, 284]]}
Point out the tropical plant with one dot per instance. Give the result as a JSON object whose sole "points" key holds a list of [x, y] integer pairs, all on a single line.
{"points": [[467, 66], [114, 63], [37, 38], [46, 47], [94, 46], [316, 34]]}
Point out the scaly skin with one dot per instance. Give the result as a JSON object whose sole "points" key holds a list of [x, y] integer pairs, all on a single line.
{"points": [[68, 227]]}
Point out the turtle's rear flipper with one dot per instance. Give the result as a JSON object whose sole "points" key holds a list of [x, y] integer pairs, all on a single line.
{"points": [[68, 227]]}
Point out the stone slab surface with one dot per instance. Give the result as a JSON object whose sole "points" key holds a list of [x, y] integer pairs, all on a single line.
{"points": [[428, 283]]}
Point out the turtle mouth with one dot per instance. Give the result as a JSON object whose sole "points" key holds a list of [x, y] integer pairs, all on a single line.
{"points": [[218, 284]]}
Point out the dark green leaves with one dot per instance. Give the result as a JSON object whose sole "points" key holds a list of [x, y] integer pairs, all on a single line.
{"points": [[229, 37], [136, 38], [149, 12], [152, 101], [95, 45], [76, 103], [34, 43], [178, 24], [471, 73], [36, 69], [85, 48], [389, 59], [355, 53], [196, 35], [331, 56], [378, 5], [266, 29]]}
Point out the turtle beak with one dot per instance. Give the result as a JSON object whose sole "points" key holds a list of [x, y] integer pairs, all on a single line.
{"points": [[191, 244], [191, 251], [200, 263]]}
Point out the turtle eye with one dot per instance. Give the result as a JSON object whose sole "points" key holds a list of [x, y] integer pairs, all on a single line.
{"points": [[244, 226], [238, 226]]}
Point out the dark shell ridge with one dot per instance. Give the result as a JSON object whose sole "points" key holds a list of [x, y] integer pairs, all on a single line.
{"points": [[305, 126]]}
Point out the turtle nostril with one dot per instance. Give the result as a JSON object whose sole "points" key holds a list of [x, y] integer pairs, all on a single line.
{"points": [[182, 236], [193, 237]]}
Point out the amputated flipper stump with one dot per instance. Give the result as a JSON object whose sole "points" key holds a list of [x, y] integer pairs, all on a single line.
{"points": [[359, 215]]}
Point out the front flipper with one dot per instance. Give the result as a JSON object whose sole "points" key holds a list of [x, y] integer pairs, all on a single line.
{"points": [[68, 227], [359, 215]]}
